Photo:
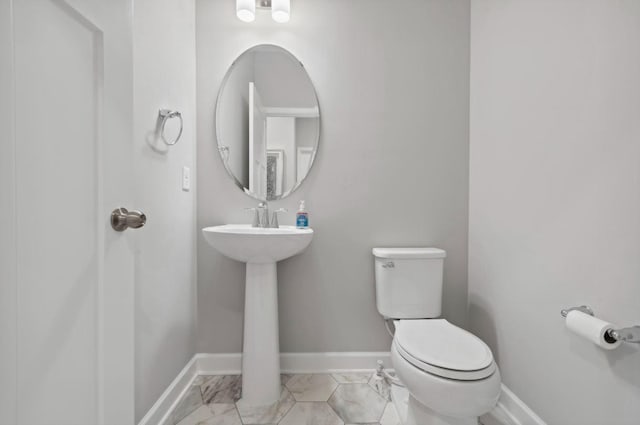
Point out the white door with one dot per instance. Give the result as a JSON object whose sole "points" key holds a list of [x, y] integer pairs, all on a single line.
{"points": [[303, 162], [257, 144], [66, 294]]}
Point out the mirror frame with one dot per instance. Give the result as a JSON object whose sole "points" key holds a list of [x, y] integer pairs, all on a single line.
{"points": [[220, 147]]}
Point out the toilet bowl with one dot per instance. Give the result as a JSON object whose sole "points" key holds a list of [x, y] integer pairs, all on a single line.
{"points": [[450, 373]]}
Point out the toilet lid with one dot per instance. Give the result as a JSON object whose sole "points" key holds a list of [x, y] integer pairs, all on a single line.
{"points": [[438, 347]]}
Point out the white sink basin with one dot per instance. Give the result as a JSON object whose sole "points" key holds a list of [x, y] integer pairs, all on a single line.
{"points": [[260, 249], [257, 245]]}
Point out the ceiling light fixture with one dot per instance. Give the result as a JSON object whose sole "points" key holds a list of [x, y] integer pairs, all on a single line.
{"points": [[280, 9], [246, 10]]}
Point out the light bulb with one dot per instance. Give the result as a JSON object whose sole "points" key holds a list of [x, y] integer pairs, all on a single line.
{"points": [[246, 10], [280, 10]]}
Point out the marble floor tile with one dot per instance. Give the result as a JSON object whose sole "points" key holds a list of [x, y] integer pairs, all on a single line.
{"points": [[200, 379], [190, 402], [352, 378], [284, 378], [199, 415], [224, 414], [271, 414], [355, 399], [390, 416], [357, 403], [311, 413], [214, 414], [222, 389], [400, 399], [317, 387]]}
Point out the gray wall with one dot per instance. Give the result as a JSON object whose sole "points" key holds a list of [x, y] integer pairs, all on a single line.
{"points": [[392, 169], [8, 260], [555, 199], [164, 77]]}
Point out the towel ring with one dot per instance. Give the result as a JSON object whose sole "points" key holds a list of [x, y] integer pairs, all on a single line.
{"points": [[166, 115]]}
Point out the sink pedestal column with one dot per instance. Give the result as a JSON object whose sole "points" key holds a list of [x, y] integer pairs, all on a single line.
{"points": [[261, 347]]}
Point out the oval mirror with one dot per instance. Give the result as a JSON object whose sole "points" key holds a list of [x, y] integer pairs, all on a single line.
{"points": [[267, 122]]}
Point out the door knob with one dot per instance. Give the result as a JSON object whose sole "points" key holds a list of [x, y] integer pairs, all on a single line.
{"points": [[122, 219]]}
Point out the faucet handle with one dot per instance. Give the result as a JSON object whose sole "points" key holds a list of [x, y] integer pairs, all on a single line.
{"points": [[274, 218], [256, 217], [263, 214]]}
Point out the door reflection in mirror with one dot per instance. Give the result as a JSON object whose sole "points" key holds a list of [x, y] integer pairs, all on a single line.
{"points": [[267, 122]]}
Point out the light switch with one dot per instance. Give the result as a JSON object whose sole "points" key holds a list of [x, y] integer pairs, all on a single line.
{"points": [[186, 179]]}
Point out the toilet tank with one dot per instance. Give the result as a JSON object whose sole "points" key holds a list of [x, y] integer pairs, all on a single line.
{"points": [[409, 282]]}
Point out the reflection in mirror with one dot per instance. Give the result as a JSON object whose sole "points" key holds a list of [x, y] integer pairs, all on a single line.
{"points": [[267, 122]]}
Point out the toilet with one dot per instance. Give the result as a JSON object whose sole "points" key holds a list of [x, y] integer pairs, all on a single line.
{"points": [[450, 374]]}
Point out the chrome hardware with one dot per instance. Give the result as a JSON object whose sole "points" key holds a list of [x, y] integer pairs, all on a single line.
{"points": [[123, 219], [261, 216], [274, 218], [583, 308], [630, 334], [389, 265], [166, 115]]}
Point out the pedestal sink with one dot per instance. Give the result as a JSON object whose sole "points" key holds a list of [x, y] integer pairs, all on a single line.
{"points": [[260, 248]]}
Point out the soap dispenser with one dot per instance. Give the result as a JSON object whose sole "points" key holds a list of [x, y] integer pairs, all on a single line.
{"points": [[302, 217]]}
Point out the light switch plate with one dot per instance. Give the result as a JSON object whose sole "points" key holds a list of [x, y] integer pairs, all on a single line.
{"points": [[186, 179]]}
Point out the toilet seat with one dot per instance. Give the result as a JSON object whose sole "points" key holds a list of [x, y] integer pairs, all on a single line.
{"points": [[442, 349]]}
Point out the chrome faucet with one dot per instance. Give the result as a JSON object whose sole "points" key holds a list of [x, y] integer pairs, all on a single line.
{"points": [[261, 216], [274, 218]]}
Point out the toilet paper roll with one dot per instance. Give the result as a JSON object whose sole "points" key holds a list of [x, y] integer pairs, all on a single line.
{"points": [[591, 328]]}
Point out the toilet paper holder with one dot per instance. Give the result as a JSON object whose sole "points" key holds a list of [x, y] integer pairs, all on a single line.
{"points": [[583, 308], [630, 334]]}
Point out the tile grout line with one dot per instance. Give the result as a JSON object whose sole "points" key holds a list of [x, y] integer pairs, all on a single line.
{"points": [[329, 398], [295, 401], [388, 404], [235, 406]]}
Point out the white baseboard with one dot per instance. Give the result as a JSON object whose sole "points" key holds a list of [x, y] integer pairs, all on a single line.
{"points": [[511, 411], [159, 412], [231, 364], [219, 364]]}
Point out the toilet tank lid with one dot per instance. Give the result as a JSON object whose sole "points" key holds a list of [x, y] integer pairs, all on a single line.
{"points": [[409, 253]]}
